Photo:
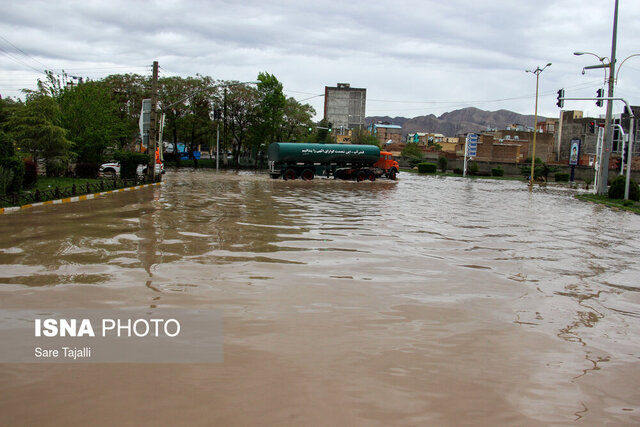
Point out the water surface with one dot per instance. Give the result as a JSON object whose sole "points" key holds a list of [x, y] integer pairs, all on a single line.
{"points": [[425, 301]]}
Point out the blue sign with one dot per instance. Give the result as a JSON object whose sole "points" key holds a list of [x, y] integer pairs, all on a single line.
{"points": [[472, 144]]}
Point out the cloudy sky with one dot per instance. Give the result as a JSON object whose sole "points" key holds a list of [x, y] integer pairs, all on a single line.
{"points": [[413, 57]]}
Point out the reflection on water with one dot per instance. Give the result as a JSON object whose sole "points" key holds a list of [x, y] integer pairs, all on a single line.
{"points": [[427, 300]]}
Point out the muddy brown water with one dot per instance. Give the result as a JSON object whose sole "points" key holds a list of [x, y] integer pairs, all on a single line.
{"points": [[425, 301]]}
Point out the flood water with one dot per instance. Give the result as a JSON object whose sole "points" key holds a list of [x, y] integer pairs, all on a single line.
{"points": [[425, 301]]}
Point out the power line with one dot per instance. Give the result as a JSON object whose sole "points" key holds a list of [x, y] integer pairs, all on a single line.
{"points": [[19, 61], [22, 51]]}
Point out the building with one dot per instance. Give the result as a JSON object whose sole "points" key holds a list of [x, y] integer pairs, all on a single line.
{"points": [[389, 136], [515, 145], [344, 107], [576, 127], [573, 126]]}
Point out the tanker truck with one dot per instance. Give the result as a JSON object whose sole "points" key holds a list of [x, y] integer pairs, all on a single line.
{"points": [[290, 160]]}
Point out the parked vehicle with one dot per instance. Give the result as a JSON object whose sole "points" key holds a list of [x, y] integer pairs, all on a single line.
{"points": [[341, 161], [112, 169]]}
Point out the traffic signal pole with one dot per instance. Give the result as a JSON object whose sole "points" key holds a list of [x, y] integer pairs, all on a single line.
{"points": [[604, 167], [151, 149]]}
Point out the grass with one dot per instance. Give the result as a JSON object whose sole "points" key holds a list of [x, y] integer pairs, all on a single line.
{"points": [[499, 178], [47, 183], [627, 205]]}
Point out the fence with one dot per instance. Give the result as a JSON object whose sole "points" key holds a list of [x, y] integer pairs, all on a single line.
{"points": [[56, 193]]}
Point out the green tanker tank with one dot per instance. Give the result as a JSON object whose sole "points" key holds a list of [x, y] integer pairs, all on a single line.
{"points": [[291, 152], [292, 160]]}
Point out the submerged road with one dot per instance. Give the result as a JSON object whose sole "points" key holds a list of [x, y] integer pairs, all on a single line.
{"points": [[425, 301]]}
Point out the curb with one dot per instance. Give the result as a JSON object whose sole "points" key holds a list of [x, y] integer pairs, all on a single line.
{"points": [[74, 198]]}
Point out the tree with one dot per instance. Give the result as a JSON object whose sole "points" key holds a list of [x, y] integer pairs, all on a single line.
{"points": [[11, 166], [541, 170], [272, 102], [92, 120], [322, 134], [36, 128], [243, 112], [413, 153], [187, 104], [363, 137], [128, 91], [296, 120]]}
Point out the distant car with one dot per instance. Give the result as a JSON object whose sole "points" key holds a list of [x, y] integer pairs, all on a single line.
{"points": [[112, 169]]}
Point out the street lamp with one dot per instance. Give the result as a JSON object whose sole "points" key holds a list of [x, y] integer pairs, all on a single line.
{"points": [[620, 66], [537, 72], [604, 64]]}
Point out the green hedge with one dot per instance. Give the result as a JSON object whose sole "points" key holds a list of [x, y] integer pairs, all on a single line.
{"points": [[616, 191], [561, 177], [427, 168], [497, 171], [129, 163]]}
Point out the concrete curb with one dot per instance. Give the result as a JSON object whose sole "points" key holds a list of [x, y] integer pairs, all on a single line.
{"points": [[74, 198]]}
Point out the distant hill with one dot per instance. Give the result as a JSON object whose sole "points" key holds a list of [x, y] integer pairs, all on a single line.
{"points": [[458, 121]]}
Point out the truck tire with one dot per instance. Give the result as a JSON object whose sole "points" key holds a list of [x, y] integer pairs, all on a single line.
{"points": [[289, 174], [307, 175], [371, 176], [392, 174], [360, 176]]}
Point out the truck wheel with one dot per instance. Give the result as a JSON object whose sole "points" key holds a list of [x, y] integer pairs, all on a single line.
{"points": [[289, 174], [360, 176], [392, 174], [307, 175], [371, 176]]}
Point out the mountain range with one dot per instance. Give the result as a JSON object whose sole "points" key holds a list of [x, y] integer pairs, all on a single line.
{"points": [[458, 121]]}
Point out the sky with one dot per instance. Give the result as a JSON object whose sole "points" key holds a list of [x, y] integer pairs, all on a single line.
{"points": [[413, 57]]}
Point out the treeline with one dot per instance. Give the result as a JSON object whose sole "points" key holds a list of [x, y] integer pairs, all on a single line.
{"points": [[85, 124]]}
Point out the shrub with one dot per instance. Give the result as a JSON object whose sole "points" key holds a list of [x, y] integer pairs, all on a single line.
{"points": [[443, 163], [497, 171], [129, 163], [87, 170], [16, 166], [473, 168], [6, 178], [427, 168], [561, 177], [30, 174], [616, 191], [458, 171], [56, 166]]}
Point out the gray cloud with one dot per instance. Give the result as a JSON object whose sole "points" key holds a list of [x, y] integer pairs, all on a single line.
{"points": [[432, 55]]}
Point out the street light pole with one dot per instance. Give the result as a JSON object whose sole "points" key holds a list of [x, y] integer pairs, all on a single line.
{"points": [[537, 72], [608, 134]]}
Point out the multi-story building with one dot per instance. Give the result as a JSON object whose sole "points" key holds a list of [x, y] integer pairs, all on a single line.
{"points": [[344, 107], [514, 145], [574, 126], [389, 136]]}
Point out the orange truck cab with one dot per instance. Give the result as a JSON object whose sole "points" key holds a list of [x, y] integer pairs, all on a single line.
{"points": [[387, 164]]}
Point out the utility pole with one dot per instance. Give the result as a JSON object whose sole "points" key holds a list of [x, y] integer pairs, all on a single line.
{"points": [[224, 126], [151, 150], [608, 131]]}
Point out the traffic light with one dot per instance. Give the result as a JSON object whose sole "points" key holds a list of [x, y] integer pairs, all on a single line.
{"points": [[330, 126], [599, 95], [592, 127], [560, 102]]}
